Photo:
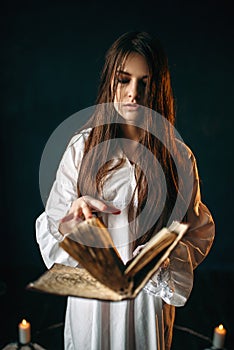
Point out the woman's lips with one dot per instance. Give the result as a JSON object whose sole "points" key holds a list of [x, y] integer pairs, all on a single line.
{"points": [[131, 106]]}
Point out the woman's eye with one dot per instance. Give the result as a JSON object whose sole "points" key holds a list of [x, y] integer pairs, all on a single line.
{"points": [[122, 80]]}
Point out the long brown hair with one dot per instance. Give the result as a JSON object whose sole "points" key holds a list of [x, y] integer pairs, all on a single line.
{"points": [[159, 98]]}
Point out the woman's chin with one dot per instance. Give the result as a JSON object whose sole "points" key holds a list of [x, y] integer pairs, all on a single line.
{"points": [[130, 116]]}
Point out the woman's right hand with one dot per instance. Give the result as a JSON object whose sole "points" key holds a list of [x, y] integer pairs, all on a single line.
{"points": [[82, 209]]}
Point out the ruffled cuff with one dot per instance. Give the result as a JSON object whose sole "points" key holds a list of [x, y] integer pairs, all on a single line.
{"points": [[49, 246], [54, 216], [53, 229], [173, 281]]}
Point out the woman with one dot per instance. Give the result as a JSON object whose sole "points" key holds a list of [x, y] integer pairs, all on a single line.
{"points": [[127, 165]]}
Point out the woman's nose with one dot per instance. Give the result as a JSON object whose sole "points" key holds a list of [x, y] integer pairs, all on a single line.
{"points": [[134, 91]]}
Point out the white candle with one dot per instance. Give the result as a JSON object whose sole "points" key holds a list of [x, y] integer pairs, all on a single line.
{"points": [[24, 332], [219, 337]]}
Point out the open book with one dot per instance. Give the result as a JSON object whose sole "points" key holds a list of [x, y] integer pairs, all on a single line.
{"points": [[101, 274]]}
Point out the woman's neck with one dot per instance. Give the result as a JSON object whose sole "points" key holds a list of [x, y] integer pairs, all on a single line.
{"points": [[129, 140], [130, 132]]}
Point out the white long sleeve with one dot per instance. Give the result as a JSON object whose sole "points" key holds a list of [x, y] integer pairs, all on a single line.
{"points": [[63, 193]]}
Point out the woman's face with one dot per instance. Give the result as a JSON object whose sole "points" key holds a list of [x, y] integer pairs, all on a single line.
{"points": [[131, 84]]}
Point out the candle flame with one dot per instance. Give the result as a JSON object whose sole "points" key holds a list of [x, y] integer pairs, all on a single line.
{"points": [[24, 322], [220, 326]]}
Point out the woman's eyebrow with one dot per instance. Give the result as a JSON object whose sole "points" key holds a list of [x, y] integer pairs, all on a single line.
{"points": [[119, 71], [123, 72]]}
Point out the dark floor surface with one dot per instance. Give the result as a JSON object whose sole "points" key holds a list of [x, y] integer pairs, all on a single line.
{"points": [[211, 303]]}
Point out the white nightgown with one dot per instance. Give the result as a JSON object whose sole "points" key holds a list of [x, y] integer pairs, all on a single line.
{"points": [[145, 322]]}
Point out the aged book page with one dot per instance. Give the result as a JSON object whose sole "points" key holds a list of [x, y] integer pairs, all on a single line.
{"points": [[73, 281]]}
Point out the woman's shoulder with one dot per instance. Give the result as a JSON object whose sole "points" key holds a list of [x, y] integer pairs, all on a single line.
{"points": [[78, 140], [187, 157], [184, 149], [75, 147]]}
